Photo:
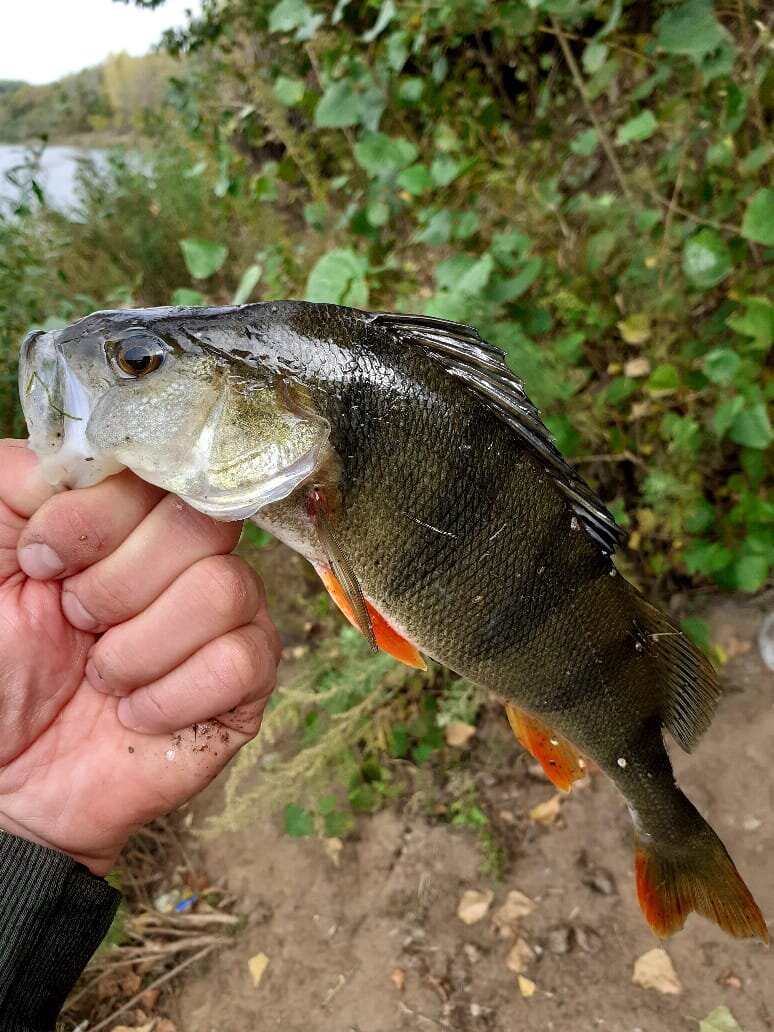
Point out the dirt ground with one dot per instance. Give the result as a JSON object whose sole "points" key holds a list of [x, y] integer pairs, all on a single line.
{"points": [[373, 943]]}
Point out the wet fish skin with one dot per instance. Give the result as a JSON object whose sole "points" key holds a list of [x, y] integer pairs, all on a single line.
{"points": [[466, 535]]}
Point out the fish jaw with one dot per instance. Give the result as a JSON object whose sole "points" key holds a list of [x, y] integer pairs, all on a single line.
{"points": [[57, 408]]}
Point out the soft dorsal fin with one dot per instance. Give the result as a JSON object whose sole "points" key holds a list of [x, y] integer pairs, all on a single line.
{"points": [[483, 369]]}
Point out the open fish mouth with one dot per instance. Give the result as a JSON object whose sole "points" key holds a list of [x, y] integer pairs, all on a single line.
{"points": [[56, 407]]}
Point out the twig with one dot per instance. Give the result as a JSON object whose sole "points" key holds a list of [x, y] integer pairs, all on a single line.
{"points": [[604, 139], [154, 985], [608, 43], [701, 219], [760, 121], [625, 456], [671, 211]]}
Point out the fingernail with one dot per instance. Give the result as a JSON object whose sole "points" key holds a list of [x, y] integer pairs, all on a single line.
{"points": [[77, 613], [126, 716], [41, 562]]}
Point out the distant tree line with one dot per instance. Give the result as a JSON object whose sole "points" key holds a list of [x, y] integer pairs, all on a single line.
{"points": [[113, 98]]}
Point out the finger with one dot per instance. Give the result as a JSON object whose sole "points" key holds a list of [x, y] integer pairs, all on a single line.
{"points": [[74, 529], [22, 488], [229, 679], [171, 538], [217, 595]]}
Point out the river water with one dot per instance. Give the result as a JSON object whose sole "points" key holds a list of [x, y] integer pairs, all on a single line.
{"points": [[56, 175]]}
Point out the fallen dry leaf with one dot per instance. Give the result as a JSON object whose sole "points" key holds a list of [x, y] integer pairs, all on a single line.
{"points": [[474, 905], [654, 970], [165, 1025], [398, 979], [333, 847], [520, 956], [257, 966], [457, 733], [506, 918], [719, 1020], [526, 987], [133, 1028], [546, 813], [637, 367]]}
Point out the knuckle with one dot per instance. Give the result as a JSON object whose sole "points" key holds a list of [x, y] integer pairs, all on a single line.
{"points": [[226, 586], [106, 597], [215, 535], [239, 664]]}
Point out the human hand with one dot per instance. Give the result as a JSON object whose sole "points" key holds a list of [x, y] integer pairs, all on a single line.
{"points": [[136, 657]]}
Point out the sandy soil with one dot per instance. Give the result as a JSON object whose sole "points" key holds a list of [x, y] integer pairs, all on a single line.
{"points": [[336, 933]]}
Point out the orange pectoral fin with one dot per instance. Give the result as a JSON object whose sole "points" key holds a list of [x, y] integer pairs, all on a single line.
{"points": [[387, 638], [558, 757]]}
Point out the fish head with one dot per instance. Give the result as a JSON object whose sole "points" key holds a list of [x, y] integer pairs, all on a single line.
{"points": [[139, 390]]}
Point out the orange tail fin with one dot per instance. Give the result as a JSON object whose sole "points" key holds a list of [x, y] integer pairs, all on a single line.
{"points": [[704, 880]]}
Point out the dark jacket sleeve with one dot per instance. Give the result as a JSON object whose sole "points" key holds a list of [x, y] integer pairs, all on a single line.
{"points": [[53, 915]]}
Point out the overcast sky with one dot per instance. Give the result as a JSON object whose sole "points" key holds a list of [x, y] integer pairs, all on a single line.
{"points": [[42, 40]]}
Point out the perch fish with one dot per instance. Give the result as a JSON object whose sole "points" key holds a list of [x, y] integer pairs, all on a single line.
{"points": [[401, 456]]}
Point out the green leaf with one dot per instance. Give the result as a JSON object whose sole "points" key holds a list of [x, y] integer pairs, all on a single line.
{"points": [[445, 170], [185, 296], [706, 259], [415, 180], [690, 29], [288, 15], [757, 322], [288, 92], [382, 155], [339, 277], [699, 632], [707, 557], [719, 1020], [299, 823], [641, 127], [758, 222], [202, 257], [387, 12], [594, 56], [464, 274], [721, 365], [585, 143], [341, 105], [757, 158], [750, 573], [247, 284], [664, 378], [752, 428], [725, 414]]}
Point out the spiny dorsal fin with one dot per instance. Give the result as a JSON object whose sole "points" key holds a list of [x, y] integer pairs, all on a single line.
{"points": [[483, 369]]}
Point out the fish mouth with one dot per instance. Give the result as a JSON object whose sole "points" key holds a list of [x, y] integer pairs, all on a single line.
{"points": [[56, 408]]}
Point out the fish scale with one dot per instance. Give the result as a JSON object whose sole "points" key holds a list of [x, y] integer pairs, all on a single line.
{"points": [[405, 460]]}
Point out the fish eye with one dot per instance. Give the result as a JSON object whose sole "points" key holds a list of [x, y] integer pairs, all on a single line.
{"points": [[138, 354]]}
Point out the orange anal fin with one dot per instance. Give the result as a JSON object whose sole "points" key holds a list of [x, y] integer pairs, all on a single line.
{"points": [[558, 757], [705, 881], [387, 638]]}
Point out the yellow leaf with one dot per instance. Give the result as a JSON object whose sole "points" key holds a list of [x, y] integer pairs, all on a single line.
{"points": [[635, 329], [547, 812], [257, 966], [526, 987], [506, 917]]}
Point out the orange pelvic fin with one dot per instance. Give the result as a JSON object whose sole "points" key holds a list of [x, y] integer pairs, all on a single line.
{"points": [[387, 638], [704, 880], [558, 757]]}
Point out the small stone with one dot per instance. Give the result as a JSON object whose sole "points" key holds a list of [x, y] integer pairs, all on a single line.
{"points": [[257, 966], [546, 813], [526, 987], [587, 939], [600, 880], [506, 918], [558, 940], [398, 979], [766, 640], [473, 953], [520, 956], [751, 823], [474, 905], [655, 970]]}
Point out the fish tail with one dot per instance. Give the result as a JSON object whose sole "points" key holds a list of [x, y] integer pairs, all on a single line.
{"points": [[699, 877], [689, 685]]}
